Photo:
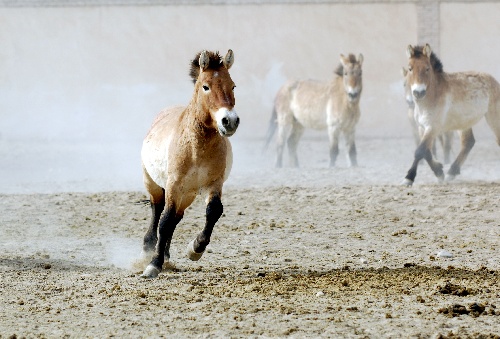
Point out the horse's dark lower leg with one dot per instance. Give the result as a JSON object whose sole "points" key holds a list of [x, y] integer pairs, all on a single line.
{"points": [[353, 155], [199, 244], [280, 146], [435, 166], [448, 139], [351, 148], [333, 136], [151, 236], [422, 151], [467, 141], [334, 153], [166, 229]]}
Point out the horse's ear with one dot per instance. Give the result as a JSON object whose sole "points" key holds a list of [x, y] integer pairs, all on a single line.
{"points": [[228, 59], [409, 51], [343, 60], [427, 50], [404, 71], [360, 58], [204, 60]]}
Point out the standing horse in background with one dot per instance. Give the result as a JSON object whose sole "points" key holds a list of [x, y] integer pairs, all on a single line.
{"points": [[312, 104], [446, 102], [445, 139], [187, 151]]}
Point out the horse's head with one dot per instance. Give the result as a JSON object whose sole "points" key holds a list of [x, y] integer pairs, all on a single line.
{"points": [[350, 70], [408, 95], [215, 91], [422, 66]]}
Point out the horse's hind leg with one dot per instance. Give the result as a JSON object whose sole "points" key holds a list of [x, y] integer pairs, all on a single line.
{"points": [[493, 120], [157, 201], [292, 142], [283, 131], [197, 246], [467, 142]]}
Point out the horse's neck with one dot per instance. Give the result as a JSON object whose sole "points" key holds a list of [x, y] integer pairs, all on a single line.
{"points": [[435, 94], [195, 123]]}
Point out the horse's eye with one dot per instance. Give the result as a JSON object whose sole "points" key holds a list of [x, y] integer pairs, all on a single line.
{"points": [[427, 69], [234, 87], [205, 88], [410, 69]]}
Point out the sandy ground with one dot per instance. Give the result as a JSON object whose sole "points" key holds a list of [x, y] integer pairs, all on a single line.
{"points": [[310, 252]]}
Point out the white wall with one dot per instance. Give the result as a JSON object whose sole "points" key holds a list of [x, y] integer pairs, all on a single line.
{"points": [[79, 86], [98, 73]]}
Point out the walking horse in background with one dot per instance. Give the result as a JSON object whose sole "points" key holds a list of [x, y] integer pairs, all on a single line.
{"points": [[446, 102], [445, 139], [312, 104], [187, 151]]}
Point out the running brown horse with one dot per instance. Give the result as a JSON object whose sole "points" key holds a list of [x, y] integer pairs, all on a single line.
{"points": [[186, 152], [312, 104], [446, 102]]}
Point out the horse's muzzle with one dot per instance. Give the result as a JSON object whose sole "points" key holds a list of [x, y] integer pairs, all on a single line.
{"points": [[353, 95], [419, 94], [227, 121]]}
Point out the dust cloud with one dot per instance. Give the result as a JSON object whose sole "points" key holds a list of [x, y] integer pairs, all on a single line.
{"points": [[75, 105]]}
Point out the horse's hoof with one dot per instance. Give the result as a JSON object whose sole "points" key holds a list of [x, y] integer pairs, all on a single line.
{"points": [[192, 255], [450, 177], [407, 182], [150, 272]]}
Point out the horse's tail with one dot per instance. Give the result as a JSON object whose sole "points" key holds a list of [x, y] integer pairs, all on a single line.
{"points": [[273, 123]]}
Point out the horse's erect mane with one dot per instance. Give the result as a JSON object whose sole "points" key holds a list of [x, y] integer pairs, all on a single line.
{"points": [[215, 63], [436, 64], [340, 69]]}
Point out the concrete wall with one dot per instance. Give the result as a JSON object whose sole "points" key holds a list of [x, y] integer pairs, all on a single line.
{"points": [[103, 72]]}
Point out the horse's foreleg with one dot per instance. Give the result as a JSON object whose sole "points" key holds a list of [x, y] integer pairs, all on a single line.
{"points": [[151, 236], [197, 246], [423, 151], [167, 225], [448, 139], [333, 136], [351, 148], [467, 142], [435, 166]]}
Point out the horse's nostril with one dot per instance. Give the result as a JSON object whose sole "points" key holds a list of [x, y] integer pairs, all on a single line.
{"points": [[419, 94], [225, 121], [237, 121]]}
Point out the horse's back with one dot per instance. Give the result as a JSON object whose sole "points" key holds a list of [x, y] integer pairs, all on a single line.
{"points": [[469, 96]]}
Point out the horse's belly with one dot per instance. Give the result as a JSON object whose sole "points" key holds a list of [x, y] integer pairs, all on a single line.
{"points": [[462, 116], [309, 106], [310, 117]]}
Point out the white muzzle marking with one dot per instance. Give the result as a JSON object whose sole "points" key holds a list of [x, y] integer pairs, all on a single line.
{"points": [[352, 92], [227, 121]]}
